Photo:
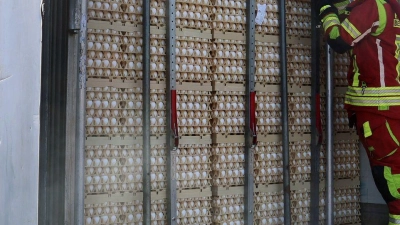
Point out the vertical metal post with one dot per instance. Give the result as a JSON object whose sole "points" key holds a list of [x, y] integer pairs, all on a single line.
{"points": [[316, 131], [80, 119], [329, 210], [172, 129], [285, 122], [250, 131], [146, 114]]}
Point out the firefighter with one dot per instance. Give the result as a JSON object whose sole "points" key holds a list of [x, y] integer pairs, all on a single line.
{"points": [[370, 33]]}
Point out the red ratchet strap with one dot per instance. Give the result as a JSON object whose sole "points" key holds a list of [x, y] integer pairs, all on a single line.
{"points": [[253, 120], [318, 117], [174, 118]]}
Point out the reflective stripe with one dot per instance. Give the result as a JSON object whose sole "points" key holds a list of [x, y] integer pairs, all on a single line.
{"points": [[372, 101], [334, 33], [394, 219], [367, 129], [330, 21], [393, 182], [373, 91], [381, 66], [391, 134], [324, 8], [351, 29], [365, 33], [356, 71], [397, 55], [382, 18]]}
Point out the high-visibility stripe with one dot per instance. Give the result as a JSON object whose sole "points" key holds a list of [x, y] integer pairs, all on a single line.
{"points": [[391, 133], [380, 60], [382, 18], [391, 153], [324, 8], [334, 33], [365, 33], [397, 55], [367, 129], [330, 21], [351, 29], [394, 219], [393, 182], [372, 101], [356, 71], [373, 91]]}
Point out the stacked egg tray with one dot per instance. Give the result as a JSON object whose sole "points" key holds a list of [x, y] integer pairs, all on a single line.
{"points": [[298, 18], [228, 112], [228, 209], [346, 158], [300, 206], [158, 165], [113, 169], [299, 65], [113, 54], [122, 11], [268, 208], [299, 113], [112, 111], [268, 113], [194, 210], [116, 213], [346, 205], [157, 13], [268, 167], [193, 166], [227, 164], [341, 120], [158, 57], [342, 63], [194, 112], [300, 160], [194, 14], [267, 63], [229, 15], [270, 23], [229, 61], [193, 59]]}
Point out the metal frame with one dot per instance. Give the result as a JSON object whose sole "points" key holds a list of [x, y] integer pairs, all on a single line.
{"points": [[146, 115], [172, 129], [329, 207], [285, 122], [316, 136], [250, 129]]}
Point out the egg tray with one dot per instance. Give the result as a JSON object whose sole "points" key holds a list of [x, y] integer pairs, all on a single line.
{"points": [[126, 11], [193, 59], [158, 13], [158, 58], [228, 112], [194, 210], [299, 65], [268, 163], [228, 209], [268, 112], [194, 112], [267, 63], [194, 14], [298, 18], [114, 213], [229, 58], [270, 24], [229, 16], [268, 208], [341, 124], [114, 54]]}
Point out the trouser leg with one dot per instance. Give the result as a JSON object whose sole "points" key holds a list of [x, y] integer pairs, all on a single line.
{"points": [[387, 185]]}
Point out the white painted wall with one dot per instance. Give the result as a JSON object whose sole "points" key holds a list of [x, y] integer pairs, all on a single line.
{"points": [[20, 67]]}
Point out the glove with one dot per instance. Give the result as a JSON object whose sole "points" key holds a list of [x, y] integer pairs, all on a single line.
{"points": [[325, 7], [341, 5], [352, 120]]}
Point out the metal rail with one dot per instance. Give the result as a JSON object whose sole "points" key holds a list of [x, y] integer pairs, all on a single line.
{"points": [[284, 103], [146, 115], [329, 207], [172, 125], [250, 131], [316, 131], [79, 194]]}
